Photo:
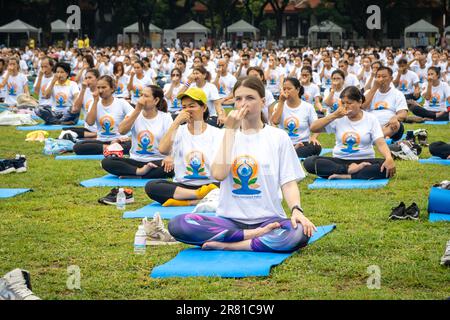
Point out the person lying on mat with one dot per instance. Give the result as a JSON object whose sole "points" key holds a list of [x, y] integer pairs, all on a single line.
{"points": [[192, 142], [106, 112], [440, 149], [437, 98], [294, 115], [255, 162], [387, 104], [356, 131], [63, 92], [148, 123]]}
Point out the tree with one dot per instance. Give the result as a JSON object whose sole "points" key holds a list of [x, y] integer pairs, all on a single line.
{"points": [[278, 7]]}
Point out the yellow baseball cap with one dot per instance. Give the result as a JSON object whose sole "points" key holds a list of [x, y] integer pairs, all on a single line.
{"points": [[195, 94]]}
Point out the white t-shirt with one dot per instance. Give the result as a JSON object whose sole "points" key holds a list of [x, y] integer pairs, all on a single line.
{"points": [[421, 73], [335, 101], [122, 87], [138, 86], [296, 121], [146, 135], [326, 79], [64, 95], [173, 104], [4, 89], [193, 155], [355, 139], [88, 99], [386, 105], [269, 101], [407, 82], [273, 81], [14, 88], [439, 96], [226, 85], [109, 118], [312, 91], [212, 94], [261, 164], [45, 82], [351, 80]]}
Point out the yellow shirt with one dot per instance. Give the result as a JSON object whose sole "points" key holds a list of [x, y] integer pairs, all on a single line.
{"points": [[31, 43], [80, 44], [86, 43]]}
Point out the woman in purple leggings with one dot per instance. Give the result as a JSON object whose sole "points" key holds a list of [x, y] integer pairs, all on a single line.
{"points": [[256, 164]]}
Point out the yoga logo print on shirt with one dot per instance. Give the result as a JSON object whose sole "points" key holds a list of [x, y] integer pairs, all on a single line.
{"points": [[146, 141], [107, 125], [245, 176], [435, 100], [196, 166], [336, 105], [292, 125], [305, 97], [351, 141], [12, 89], [138, 91], [381, 105], [120, 88], [403, 85], [61, 100]]}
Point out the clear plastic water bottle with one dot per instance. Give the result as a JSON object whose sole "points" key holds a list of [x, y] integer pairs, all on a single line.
{"points": [[140, 240], [121, 199]]}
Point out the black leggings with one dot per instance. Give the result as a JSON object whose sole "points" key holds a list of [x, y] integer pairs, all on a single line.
{"points": [[440, 149], [95, 147], [127, 167], [324, 167], [424, 113], [163, 190], [79, 131], [308, 150]]}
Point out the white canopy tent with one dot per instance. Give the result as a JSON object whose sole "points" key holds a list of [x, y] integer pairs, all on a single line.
{"points": [[447, 31], [242, 26], [18, 26], [420, 34], [328, 27], [193, 31], [59, 26], [133, 30]]}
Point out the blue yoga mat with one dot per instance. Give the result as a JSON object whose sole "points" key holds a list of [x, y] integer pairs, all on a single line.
{"points": [[348, 184], [78, 157], [48, 127], [226, 264], [9, 193], [114, 181], [439, 217], [435, 160], [390, 141], [165, 212], [437, 123], [439, 204]]}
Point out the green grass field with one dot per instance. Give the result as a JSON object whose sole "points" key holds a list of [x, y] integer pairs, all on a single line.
{"points": [[61, 224]]}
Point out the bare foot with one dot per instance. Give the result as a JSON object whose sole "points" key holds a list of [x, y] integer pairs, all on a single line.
{"points": [[214, 245], [259, 232], [145, 169], [340, 177], [354, 168]]}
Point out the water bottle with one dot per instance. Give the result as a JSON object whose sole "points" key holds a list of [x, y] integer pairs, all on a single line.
{"points": [[121, 199], [140, 240]]}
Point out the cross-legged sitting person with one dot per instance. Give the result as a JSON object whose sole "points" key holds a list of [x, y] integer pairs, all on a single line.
{"points": [[148, 123], [356, 132], [255, 162]]}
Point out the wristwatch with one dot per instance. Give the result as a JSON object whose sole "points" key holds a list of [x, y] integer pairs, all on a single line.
{"points": [[298, 208]]}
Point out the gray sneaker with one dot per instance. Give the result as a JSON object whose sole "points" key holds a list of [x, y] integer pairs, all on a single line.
{"points": [[15, 285], [156, 232], [445, 260]]}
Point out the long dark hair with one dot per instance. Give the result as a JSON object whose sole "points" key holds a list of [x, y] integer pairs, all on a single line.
{"points": [[353, 93], [297, 85], [157, 92]]}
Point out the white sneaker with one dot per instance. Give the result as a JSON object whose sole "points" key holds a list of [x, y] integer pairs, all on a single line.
{"points": [[15, 285], [156, 232]]}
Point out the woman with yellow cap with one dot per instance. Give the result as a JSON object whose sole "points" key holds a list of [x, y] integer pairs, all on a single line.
{"points": [[192, 143]]}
